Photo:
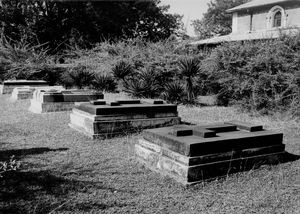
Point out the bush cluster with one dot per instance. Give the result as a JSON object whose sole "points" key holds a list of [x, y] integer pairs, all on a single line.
{"points": [[259, 76]]}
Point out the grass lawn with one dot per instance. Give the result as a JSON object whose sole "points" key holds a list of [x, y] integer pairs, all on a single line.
{"points": [[65, 172]]}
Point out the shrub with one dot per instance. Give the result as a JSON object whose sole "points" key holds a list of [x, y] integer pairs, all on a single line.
{"points": [[22, 60], [78, 76], [144, 84], [122, 70], [174, 92], [256, 75], [104, 83], [189, 68]]}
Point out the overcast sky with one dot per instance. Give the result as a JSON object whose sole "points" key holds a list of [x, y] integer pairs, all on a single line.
{"points": [[191, 9]]}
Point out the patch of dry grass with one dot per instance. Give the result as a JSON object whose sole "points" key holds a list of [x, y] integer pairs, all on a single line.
{"points": [[65, 172]]}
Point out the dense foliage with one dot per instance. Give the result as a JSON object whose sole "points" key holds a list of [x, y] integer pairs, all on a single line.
{"points": [[260, 76], [59, 24], [216, 21]]}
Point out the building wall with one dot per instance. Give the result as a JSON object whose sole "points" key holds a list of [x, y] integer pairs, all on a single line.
{"points": [[241, 21], [293, 18], [234, 23], [259, 20]]}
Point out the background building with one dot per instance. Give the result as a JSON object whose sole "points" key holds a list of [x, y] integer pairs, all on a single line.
{"points": [[259, 19]]}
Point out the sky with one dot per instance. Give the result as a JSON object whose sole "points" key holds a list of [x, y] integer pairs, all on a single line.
{"points": [[191, 9]]}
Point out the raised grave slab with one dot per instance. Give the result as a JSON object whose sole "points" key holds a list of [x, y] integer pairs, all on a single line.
{"points": [[8, 86], [44, 101], [191, 154], [26, 92], [100, 118]]}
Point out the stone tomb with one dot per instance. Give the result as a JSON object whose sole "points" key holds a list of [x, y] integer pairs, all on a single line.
{"points": [[8, 85], [60, 100], [100, 119], [26, 92], [191, 154]]}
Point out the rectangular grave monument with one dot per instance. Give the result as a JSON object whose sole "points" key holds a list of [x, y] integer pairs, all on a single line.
{"points": [[7, 86], [191, 154], [44, 101], [99, 118], [26, 92]]}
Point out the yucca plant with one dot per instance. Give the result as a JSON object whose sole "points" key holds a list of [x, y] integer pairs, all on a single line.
{"points": [[143, 85], [136, 88], [173, 92], [189, 68], [78, 76], [122, 70], [104, 83]]}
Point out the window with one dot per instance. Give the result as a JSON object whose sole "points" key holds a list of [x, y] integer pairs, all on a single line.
{"points": [[277, 19]]}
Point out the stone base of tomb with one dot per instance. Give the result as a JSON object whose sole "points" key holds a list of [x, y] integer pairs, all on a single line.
{"points": [[8, 89], [8, 85], [20, 95], [26, 92], [193, 170], [40, 107], [96, 126]]}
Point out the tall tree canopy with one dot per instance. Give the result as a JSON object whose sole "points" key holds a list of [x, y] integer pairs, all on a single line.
{"points": [[65, 22], [216, 21]]}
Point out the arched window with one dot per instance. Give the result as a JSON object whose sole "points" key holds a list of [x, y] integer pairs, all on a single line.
{"points": [[277, 19]]}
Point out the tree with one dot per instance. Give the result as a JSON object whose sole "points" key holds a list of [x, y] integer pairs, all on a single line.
{"points": [[62, 23], [216, 21]]}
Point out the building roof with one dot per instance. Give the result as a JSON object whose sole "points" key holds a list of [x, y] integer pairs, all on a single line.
{"points": [[270, 34], [258, 3]]}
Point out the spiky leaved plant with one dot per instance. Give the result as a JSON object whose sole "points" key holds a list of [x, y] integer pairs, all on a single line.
{"points": [[78, 76], [143, 85], [104, 83], [173, 92], [122, 70], [189, 68]]}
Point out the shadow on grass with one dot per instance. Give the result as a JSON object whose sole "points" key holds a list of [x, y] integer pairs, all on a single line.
{"points": [[23, 192], [247, 165], [288, 157], [18, 153], [223, 169], [93, 206]]}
